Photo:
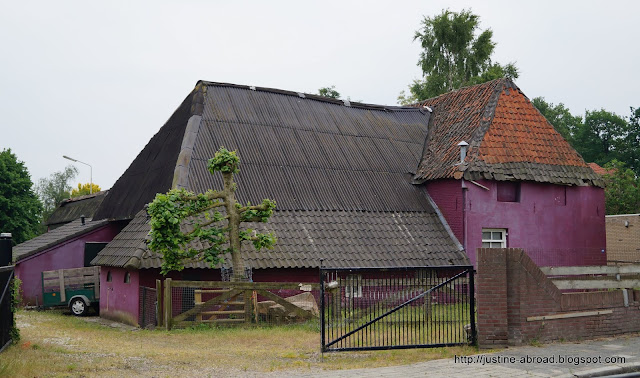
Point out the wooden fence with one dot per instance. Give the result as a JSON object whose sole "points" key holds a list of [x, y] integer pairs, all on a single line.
{"points": [[188, 303], [594, 277]]}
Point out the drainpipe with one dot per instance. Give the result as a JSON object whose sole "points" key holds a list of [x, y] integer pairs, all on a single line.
{"points": [[463, 154]]}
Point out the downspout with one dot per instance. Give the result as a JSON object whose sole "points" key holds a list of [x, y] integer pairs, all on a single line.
{"points": [[464, 213], [463, 154]]}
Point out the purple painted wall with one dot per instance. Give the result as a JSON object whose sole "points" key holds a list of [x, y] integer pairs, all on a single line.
{"points": [[69, 254], [119, 300], [447, 194], [556, 225]]}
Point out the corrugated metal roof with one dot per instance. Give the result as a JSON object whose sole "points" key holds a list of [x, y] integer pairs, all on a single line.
{"points": [[305, 141], [73, 208], [341, 238], [508, 138], [323, 163], [54, 237]]}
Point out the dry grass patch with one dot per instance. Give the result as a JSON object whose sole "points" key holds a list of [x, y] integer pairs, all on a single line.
{"points": [[54, 344]]}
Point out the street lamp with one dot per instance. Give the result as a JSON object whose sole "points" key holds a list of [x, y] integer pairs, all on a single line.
{"points": [[90, 171]]}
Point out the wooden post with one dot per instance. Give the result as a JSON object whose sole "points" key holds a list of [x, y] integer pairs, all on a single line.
{"points": [[254, 299], [248, 302], [159, 308], [167, 304], [197, 299], [63, 294]]}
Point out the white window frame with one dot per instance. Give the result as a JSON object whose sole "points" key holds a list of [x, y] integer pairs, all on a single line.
{"points": [[502, 241], [353, 286]]}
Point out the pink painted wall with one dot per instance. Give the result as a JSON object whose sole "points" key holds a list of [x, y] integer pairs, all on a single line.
{"points": [[552, 233], [119, 300], [69, 254]]}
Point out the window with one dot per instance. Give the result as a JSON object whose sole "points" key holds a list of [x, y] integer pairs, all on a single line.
{"points": [[109, 276], [494, 238], [508, 191], [353, 287], [127, 277]]}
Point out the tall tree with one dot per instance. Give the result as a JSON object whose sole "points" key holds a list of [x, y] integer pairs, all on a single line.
{"points": [[54, 189], [622, 189], [20, 208], [453, 56], [560, 117], [601, 138], [630, 149], [329, 92], [84, 189], [208, 231]]}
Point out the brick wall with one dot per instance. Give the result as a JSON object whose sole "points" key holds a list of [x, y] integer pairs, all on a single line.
{"points": [[623, 237], [511, 288]]}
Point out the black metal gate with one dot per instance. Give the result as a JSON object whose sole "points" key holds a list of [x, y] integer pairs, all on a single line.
{"points": [[6, 311], [396, 308]]}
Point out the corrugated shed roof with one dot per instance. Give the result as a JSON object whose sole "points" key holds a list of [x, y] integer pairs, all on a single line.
{"points": [[151, 171], [508, 138], [54, 237], [341, 238], [329, 167], [305, 151], [73, 208]]}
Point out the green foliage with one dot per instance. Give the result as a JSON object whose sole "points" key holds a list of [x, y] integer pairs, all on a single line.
{"points": [[453, 56], [559, 116], [84, 189], [622, 190], [187, 227], [329, 92], [630, 150], [224, 161], [16, 298], [55, 189], [20, 208], [601, 138]]}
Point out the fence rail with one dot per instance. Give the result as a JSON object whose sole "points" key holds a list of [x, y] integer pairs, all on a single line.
{"points": [[396, 308], [594, 277], [188, 303]]}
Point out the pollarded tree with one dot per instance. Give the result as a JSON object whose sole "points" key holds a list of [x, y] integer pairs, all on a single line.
{"points": [[218, 233]]}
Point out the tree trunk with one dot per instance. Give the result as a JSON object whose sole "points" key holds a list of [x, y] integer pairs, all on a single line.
{"points": [[234, 228]]}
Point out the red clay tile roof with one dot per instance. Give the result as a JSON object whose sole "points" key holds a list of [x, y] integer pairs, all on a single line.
{"points": [[509, 139], [599, 170]]}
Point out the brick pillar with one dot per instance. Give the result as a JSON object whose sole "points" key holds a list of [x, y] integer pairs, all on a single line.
{"points": [[491, 296]]}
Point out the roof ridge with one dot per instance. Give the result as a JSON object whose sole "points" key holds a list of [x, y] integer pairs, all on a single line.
{"points": [[487, 121], [311, 96], [469, 87]]}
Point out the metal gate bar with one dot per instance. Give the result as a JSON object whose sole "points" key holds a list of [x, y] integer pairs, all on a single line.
{"points": [[396, 308]]}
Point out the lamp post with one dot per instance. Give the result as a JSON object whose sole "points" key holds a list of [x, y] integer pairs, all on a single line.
{"points": [[90, 171]]}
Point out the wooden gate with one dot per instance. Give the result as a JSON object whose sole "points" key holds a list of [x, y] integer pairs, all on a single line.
{"points": [[188, 303]]}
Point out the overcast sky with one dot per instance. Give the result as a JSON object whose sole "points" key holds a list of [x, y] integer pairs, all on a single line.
{"points": [[96, 80]]}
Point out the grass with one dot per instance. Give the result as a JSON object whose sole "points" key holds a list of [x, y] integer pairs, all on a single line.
{"points": [[54, 344]]}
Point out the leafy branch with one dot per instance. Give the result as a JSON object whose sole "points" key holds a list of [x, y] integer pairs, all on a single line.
{"points": [[208, 238]]}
